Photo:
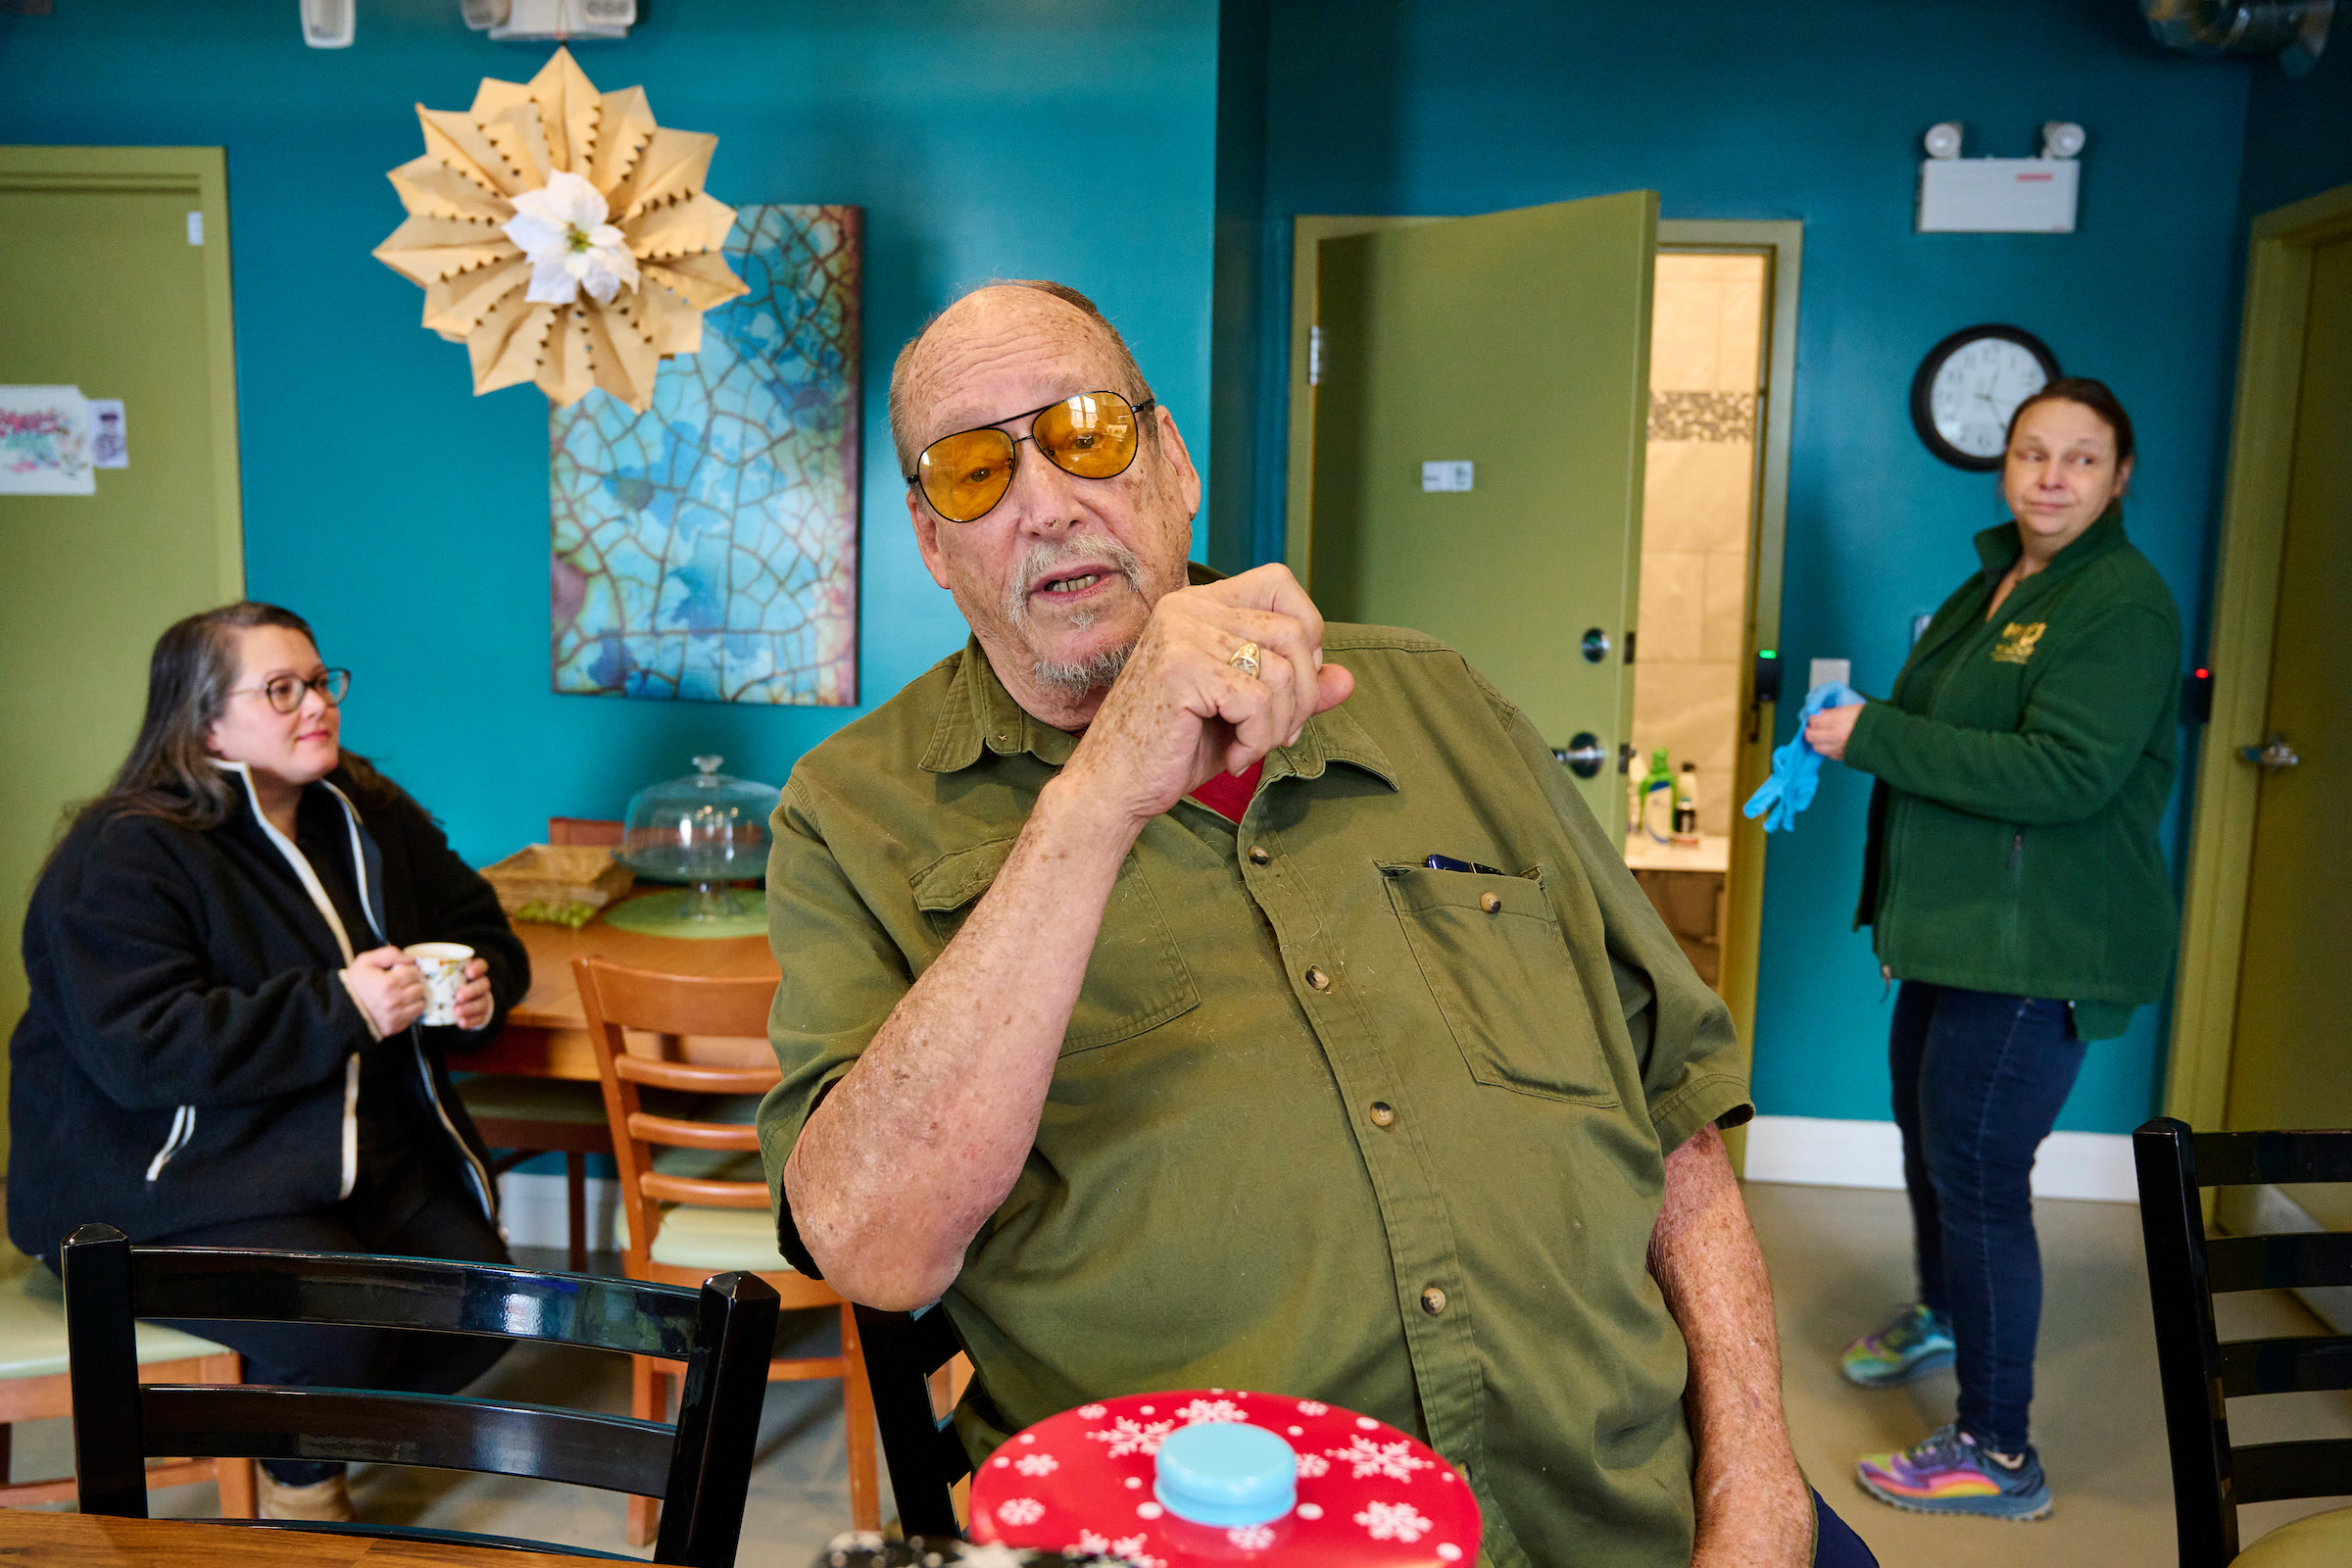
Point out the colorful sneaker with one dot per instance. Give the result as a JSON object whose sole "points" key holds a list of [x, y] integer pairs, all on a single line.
{"points": [[1947, 1472], [1913, 1344]]}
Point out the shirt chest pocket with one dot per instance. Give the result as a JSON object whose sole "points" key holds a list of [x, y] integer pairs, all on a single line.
{"points": [[1495, 959], [1135, 980]]}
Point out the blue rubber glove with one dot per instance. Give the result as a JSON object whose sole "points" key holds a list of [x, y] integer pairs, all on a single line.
{"points": [[1796, 766]]}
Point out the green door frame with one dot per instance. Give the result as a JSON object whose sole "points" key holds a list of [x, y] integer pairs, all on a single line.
{"points": [[2245, 609], [201, 174], [1782, 243]]}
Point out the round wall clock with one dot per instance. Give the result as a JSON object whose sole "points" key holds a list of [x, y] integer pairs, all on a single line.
{"points": [[1968, 385]]}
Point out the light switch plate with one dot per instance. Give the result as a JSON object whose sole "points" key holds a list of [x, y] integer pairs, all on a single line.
{"points": [[1824, 670]]}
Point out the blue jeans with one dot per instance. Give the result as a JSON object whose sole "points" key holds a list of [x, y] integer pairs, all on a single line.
{"points": [[1978, 1080]]}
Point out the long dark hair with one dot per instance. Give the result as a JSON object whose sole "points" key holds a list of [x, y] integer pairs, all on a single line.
{"points": [[2090, 394], [168, 773]]}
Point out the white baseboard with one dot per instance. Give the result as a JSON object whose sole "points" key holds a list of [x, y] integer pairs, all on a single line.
{"points": [[1817, 1151], [535, 1210]]}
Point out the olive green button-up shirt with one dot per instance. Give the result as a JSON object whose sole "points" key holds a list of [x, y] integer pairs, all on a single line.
{"points": [[1327, 1121]]}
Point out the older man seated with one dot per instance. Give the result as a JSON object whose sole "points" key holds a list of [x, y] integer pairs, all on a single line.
{"points": [[1196, 994]]}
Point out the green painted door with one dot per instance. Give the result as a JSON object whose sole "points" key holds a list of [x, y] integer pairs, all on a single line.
{"points": [[1518, 344], [106, 291], [2289, 1066]]}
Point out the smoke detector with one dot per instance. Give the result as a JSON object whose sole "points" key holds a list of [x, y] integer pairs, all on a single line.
{"points": [[328, 24]]}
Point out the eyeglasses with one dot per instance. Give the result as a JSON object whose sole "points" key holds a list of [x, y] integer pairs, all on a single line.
{"points": [[285, 691], [1092, 435]]}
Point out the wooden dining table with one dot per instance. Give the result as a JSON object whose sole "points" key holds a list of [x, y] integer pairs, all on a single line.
{"points": [[36, 1540], [545, 1035]]}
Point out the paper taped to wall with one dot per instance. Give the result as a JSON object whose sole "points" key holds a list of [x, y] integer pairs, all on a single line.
{"points": [[46, 442], [110, 442]]}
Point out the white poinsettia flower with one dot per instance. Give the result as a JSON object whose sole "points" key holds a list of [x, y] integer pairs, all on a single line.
{"points": [[561, 230]]}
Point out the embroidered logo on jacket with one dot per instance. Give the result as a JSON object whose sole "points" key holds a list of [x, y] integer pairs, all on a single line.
{"points": [[2016, 642]]}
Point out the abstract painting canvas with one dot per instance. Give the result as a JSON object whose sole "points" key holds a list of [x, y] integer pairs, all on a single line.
{"points": [[706, 550]]}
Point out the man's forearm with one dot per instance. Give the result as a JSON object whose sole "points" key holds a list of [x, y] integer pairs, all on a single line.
{"points": [[918, 1144], [1752, 1503]]}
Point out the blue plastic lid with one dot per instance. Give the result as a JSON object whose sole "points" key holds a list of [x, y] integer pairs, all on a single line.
{"points": [[1227, 1473]]}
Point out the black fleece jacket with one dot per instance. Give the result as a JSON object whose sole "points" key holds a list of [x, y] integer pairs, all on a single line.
{"points": [[189, 1056]]}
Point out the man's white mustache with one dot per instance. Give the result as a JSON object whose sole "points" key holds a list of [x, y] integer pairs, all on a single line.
{"points": [[1046, 555]]}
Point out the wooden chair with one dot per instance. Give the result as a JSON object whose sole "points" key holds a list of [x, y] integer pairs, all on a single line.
{"points": [[700, 1203], [724, 1333], [917, 1368], [2212, 1478], [527, 1117], [34, 1386]]}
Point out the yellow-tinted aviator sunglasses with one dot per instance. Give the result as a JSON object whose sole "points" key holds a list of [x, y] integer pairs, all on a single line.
{"points": [[1092, 435]]}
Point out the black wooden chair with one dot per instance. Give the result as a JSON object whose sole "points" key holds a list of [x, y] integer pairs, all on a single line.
{"points": [[701, 1468], [904, 1354], [2211, 1478]]}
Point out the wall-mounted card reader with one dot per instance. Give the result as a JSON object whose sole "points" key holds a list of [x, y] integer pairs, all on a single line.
{"points": [[1766, 688]]}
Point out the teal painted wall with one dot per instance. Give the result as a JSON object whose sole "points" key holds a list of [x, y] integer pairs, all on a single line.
{"points": [[408, 520], [2299, 128], [1814, 112]]}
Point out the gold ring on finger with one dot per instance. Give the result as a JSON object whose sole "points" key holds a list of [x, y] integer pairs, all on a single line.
{"points": [[1244, 659]]}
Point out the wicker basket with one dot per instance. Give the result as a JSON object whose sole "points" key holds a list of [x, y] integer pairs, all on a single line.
{"points": [[557, 873]]}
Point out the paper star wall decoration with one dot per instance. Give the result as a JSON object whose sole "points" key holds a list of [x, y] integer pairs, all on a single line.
{"points": [[561, 235]]}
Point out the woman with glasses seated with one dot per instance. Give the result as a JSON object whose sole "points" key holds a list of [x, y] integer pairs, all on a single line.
{"points": [[222, 1044]]}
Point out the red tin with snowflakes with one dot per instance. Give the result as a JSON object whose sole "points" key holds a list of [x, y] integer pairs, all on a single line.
{"points": [[1369, 1496]]}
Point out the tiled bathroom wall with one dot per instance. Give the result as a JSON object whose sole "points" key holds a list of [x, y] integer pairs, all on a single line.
{"points": [[1706, 334]]}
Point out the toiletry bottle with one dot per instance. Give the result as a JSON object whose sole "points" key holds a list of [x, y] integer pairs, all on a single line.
{"points": [[1686, 805]]}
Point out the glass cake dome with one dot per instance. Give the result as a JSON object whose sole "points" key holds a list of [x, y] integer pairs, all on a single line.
{"points": [[707, 829]]}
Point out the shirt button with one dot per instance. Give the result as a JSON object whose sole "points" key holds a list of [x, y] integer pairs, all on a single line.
{"points": [[1258, 854], [1318, 979], [1433, 1301], [1383, 1113], [1489, 903]]}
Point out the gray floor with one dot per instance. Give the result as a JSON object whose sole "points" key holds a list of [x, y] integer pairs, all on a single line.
{"points": [[1839, 1258]]}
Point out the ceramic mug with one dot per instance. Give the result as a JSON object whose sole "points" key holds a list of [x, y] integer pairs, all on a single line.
{"points": [[443, 966]]}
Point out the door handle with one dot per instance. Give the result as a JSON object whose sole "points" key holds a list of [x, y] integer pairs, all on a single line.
{"points": [[1583, 754], [2271, 755]]}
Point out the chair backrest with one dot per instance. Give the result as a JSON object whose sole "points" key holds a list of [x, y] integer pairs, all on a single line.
{"points": [[598, 832], [615, 999], [2186, 1270], [701, 1468], [925, 1456]]}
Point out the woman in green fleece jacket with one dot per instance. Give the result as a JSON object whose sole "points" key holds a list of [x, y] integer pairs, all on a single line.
{"points": [[2015, 886]]}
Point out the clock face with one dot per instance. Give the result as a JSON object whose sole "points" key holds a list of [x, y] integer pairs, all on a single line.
{"points": [[1977, 388], [1970, 384]]}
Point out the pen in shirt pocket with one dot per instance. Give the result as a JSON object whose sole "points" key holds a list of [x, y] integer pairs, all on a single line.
{"points": [[1447, 862]]}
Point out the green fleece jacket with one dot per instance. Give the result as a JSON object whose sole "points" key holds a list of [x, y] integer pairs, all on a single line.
{"points": [[2022, 765]]}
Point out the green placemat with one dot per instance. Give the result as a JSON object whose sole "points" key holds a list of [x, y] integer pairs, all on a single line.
{"points": [[663, 914]]}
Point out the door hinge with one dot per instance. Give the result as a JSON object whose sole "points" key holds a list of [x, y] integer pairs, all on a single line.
{"points": [[1314, 356]]}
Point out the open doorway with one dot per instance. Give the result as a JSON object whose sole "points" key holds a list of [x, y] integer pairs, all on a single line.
{"points": [[1723, 361], [1706, 376], [1750, 537]]}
